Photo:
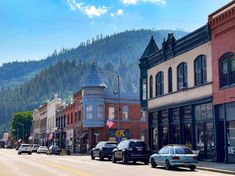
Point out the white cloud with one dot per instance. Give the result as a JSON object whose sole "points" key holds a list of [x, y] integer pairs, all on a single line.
{"points": [[118, 13], [89, 10], [133, 2]]}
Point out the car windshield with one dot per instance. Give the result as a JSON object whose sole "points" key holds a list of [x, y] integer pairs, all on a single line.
{"points": [[183, 150], [25, 145], [110, 144], [43, 147], [137, 144], [35, 145]]}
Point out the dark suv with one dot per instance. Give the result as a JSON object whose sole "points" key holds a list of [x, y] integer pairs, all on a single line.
{"points": [[54, 150], [103, 150], [131, 150]]}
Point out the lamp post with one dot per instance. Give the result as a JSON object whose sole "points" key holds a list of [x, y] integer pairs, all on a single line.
{"points": [[119, 97]]}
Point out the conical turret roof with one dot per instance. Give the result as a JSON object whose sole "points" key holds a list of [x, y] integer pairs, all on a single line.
{"points": [[151, 48], [93, 78]]}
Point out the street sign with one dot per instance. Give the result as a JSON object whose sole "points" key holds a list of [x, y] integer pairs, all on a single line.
{"points": [[119, 133]]}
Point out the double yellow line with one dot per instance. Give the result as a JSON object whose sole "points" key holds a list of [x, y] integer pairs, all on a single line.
{"points": [[68, 169]]}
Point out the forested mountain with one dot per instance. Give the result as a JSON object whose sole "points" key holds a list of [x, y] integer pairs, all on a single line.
{"points": [[25, 85], [126, 46]]}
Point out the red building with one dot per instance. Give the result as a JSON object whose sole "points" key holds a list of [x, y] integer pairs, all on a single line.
{"points": [[92, 107], [222, 26]]}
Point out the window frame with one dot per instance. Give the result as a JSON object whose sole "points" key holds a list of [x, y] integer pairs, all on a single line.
{"points": [[200, 70], [184, 76], [227, 59], [159, 83]]}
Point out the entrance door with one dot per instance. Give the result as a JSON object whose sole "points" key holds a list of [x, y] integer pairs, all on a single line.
{"points": [[205, 140]]}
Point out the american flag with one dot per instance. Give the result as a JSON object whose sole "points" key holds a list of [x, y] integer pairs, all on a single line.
{"points": [[109, 123], [50, 136]]}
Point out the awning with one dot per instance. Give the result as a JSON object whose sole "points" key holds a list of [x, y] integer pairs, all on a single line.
{"points": [[83, 134], [30, 137], [20, 140]]}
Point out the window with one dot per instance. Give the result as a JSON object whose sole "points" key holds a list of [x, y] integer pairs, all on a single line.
{"points": [[71, 118], [170, 80], [151, 87], [68, 119], [100, 112], [125, 110], [227, 68], [89, 112], [200, 76], [111, 113], [159, 79], [144, 89], [182, 76]]}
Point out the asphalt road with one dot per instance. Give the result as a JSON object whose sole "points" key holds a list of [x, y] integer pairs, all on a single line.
{"points": [[12, 164]]}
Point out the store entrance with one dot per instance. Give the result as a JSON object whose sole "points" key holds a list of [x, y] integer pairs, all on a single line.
{"points": [[205, 141]]}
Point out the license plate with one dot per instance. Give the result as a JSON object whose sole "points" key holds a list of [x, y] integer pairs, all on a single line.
{"points": [[139, 149]]}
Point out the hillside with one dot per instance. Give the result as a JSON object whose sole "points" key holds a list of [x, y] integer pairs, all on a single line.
{"points": [[25, 85], [126, 46]]}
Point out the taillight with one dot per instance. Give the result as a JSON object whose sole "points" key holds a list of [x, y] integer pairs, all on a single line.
{"points": [[175, 157], [130, 149], [195, 158]]}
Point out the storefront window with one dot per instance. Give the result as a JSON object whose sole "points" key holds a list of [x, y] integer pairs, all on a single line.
{"points": [[144, 87], [187, 113], [164, 135], [155, 119], [155, 138], [164, 116], [175, 114], [188, 135], [231, 140], [176, 134], [203, 112]]}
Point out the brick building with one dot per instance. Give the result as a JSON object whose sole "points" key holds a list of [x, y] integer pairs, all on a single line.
{"points": [[92, 107], [222, 26]]}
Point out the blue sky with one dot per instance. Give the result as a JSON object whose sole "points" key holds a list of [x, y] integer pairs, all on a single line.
{"points": [[33, 29]]}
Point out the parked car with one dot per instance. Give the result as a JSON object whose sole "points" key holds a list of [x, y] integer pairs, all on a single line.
{"points": [[103, 150], [173, 156], [42, 149], [24, 148], [131, 150], [35, 147], [54, 150]]}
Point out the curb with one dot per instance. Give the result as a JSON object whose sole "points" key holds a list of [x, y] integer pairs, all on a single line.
{"points": [[216, 170]]}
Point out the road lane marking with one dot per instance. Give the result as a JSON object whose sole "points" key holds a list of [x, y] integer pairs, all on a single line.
{"points": [[58, 166]]}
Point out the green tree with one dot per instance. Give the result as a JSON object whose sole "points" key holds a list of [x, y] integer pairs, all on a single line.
{"points": [[20, 125]]}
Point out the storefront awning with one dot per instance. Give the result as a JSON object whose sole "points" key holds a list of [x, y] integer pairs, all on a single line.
{"points": [[30, 137], [83, 134]]}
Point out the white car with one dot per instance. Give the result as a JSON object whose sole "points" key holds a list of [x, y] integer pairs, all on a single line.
{"points": [[42, 149], [25, 148]]}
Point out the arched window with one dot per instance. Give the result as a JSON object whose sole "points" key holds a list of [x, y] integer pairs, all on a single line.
{"points": [[170, 79], [151, 87], [227, 69], [200, 74], [159, 79], [182, 76]]}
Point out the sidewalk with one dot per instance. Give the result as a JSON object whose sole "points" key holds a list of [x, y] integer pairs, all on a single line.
{"points": [[217, 167]]}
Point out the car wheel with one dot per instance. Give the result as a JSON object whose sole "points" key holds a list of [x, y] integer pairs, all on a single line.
{"points": [[114, 159], [101, 156], [19, 153], [109, 158], [134, 161], [29, 153], [153, 164], [92, 156], [192, 168], [168, 165], [124, 159]]}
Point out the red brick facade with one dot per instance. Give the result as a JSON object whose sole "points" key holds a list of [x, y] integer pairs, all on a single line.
{"points": [[222, 25]]}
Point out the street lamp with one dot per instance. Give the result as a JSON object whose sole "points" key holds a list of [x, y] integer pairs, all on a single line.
{"points": [[117, 92]]}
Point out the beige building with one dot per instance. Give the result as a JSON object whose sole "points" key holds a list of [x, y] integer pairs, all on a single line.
{"points": [[176, 92], [36, 126]]}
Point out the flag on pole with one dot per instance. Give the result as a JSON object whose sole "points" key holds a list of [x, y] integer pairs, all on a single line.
{"points": [[50, 137], [109, 123]]}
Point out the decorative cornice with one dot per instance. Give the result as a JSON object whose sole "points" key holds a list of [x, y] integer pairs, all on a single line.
{"points": [[173, 48]]}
